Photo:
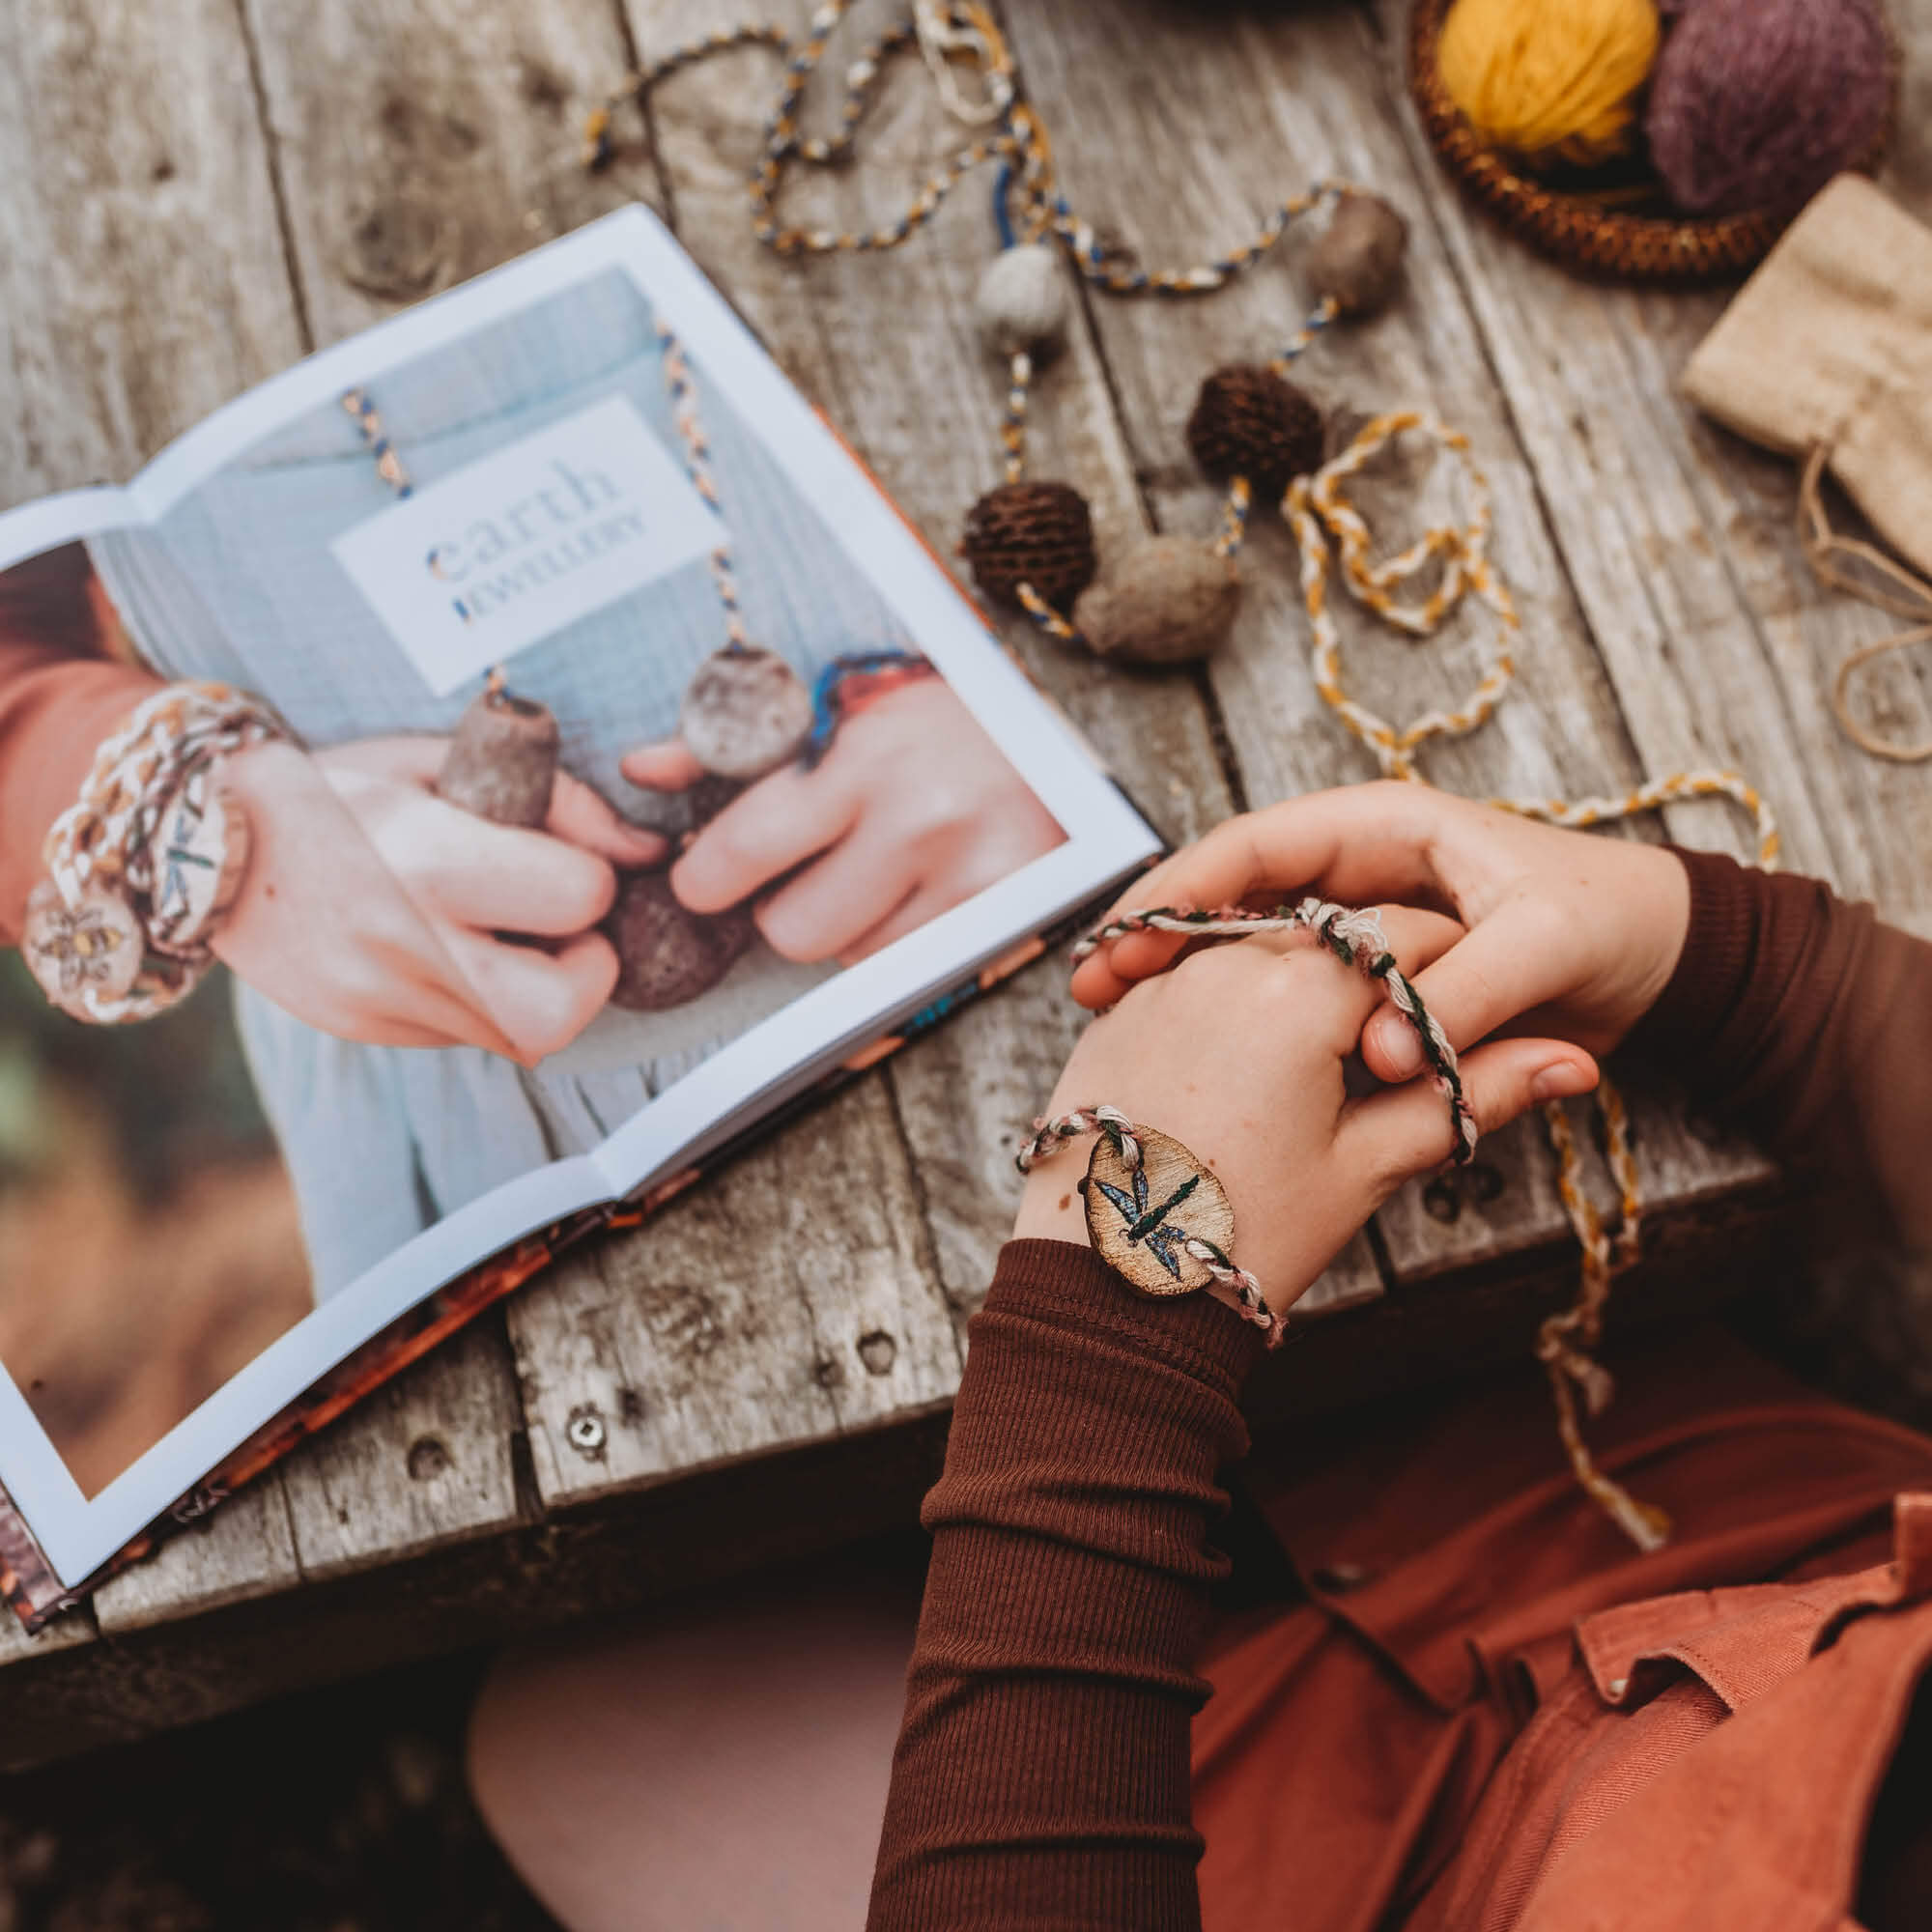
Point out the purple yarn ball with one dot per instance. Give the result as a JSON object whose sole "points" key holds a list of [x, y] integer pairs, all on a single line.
{"points": [[1755, 105]]}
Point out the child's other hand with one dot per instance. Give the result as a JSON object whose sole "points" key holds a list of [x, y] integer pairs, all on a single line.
{"points": [[1569, 934], [913, 810], [1239, 1053], [375, 911]]}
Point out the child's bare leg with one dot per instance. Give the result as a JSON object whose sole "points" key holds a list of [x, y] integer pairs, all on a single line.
{"points": [[723, 1767]]}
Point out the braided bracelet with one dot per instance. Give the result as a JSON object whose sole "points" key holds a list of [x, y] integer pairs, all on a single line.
{"points": [[145, 864], [1137, 1182], [1357, 939]]}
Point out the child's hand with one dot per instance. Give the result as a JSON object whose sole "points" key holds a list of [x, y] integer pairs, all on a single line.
{"points": [[1239, 1053], [1568, 934], [912, 811], [373, 910]]}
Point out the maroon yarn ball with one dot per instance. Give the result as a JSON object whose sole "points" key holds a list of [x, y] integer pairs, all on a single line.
{"points": [[1755, 105]]}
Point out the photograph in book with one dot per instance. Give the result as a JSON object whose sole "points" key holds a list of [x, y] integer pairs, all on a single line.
{"points": [[615, 764]]}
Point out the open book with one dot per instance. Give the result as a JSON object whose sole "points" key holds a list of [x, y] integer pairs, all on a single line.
{"points": [[644, 771]]}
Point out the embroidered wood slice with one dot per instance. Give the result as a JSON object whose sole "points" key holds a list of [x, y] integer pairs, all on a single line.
{"points": [[199, 866], [1140, 1221]]}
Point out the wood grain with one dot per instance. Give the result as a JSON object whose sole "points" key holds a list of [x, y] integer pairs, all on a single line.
{"points": [[419, 145], [244, 1550], [141, 276], [787, 1299]]}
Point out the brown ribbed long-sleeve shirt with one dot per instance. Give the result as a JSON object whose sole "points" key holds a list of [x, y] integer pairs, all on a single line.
{"points": [[1041, 1778]]}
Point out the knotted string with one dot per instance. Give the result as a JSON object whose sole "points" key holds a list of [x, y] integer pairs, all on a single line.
{"points": [[1912, 600]]}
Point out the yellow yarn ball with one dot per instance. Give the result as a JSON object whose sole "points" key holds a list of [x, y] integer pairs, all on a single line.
{"points": [[1550, 81]]}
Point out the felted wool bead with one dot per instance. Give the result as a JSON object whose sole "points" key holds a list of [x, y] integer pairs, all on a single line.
{"points": [[501, 761], [1251, 423], [1022, 304], [1755, 105], [1358, 260], [1036, 534], [1170, 599], [745, 713], [666, 954]]}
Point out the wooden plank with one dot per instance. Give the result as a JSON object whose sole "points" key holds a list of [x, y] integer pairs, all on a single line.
{"points": [[140, 262], [419, 145], [66, 1633], [787, 1299], [244, 1550], [1225, 119], [142, 284], [1681, 546], [885, 344], [422, 1461]]}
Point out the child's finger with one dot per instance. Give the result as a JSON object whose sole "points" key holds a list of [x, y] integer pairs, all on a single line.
{"points": [[1407, 1131], [541, 999], [780, 822], [1359, 843], [1516, 960], [836, 902], [584, 816], [666, 766], [503, 878]]}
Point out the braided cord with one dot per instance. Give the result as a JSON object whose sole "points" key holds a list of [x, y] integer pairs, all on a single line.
{"points": [[682, 392], [1013, 428], [1358, 940]]}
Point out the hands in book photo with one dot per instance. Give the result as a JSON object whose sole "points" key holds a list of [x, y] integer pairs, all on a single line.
{"points": [[376, 911], [1567, 934], [912, 811], [1241, 1053]]}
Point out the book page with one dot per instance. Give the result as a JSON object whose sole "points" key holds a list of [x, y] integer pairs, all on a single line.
{"points": [[642, 764]]}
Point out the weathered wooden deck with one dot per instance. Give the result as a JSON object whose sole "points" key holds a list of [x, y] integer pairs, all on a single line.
{"points": [[198, 191]]}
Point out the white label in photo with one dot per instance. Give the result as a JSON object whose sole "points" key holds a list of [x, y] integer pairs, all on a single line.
{"points": [[474, 568]]}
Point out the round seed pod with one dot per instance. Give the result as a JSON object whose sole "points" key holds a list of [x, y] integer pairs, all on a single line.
{"points": [[745, 713], [708, 797], [501, 761], [1170, 599], [1021, 306], [1251, 423], [667, 956], [1036, 534], [1357, 262]]}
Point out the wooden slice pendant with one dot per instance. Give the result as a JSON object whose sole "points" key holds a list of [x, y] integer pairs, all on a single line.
{"points": [[745, 713], [1140, 1221], [200, 858]]}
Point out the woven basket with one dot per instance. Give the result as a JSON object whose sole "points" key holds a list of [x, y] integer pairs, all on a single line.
{"points": [[1575, 229]]}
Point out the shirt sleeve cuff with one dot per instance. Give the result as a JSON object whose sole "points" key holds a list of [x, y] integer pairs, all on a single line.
{"points": [[1070, 1286], [1715, 965]]}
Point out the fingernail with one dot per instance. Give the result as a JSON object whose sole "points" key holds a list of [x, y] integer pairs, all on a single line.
{"points": [[1559, 1080], [1399, 1046]]}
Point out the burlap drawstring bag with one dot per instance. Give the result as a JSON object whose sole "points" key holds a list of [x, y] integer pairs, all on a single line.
{"points": [[1827, 355]]}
